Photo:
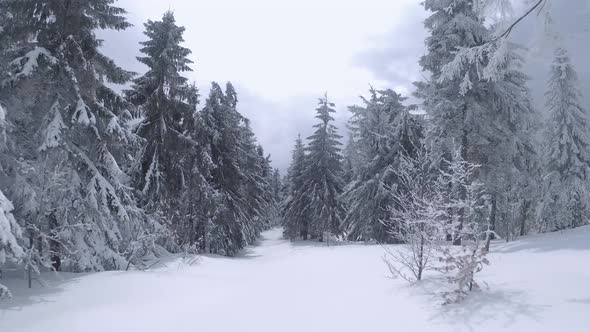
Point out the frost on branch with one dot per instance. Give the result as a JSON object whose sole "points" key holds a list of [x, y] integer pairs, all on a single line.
{"points": [[26, 65], [54, 130], [2, 128], [10, 233], [82, 114], [418, 215], [4, 293], [461, 267], [485, 63], [461, 264], [102, 196]]}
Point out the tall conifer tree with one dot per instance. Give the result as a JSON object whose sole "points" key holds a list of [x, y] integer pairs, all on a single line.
{"points": [[69, 183], [567, 147], [322, 175]]}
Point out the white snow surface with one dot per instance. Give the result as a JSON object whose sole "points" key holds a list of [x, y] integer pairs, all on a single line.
{"points": [[538, 283]]}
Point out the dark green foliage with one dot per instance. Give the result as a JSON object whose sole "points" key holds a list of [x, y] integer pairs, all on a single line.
{"points": [[384, 132]]}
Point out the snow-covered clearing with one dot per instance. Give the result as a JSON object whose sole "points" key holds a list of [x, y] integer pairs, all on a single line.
{"points": [[536, 284]]}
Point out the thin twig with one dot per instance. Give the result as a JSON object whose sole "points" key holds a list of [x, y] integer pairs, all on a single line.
{"points": [[506, 33]]}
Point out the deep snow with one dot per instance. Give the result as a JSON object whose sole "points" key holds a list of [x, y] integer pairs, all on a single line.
{"points": [[539, 283]]}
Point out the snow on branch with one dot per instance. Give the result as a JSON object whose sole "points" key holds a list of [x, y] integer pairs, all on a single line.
{"points": [[10, 232], [28, 63], [82, 114], [485, 61], [101, 194], [54, 129], [3, 126]]}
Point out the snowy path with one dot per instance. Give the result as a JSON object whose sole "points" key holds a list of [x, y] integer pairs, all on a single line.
{"points": [[281, 287]]}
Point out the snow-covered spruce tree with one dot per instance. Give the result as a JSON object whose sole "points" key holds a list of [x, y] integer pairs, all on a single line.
{"points": [[295, 220], [256, 190], [455, 106], [277, 193], [194, 207], [221, 122], [480, 104], [386, 132], [270, 214], [567, 148], [168, 102], [238, 174], [510, 167], [353, 156], [276, 184], [509, 163], [67, 178], [322, 176], [350, 160]]}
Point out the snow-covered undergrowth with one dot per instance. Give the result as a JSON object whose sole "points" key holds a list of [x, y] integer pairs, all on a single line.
{"points": [[536, 284]]}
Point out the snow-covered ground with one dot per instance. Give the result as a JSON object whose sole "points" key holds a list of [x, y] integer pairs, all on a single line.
{"points": [[539, 283]]}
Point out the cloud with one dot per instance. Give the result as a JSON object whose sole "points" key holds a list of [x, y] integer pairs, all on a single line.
{"points": [[394, 54]]}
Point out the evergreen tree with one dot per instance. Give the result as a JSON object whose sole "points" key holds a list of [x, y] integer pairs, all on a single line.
{"points": [[256, 189], [567, 148], [168, 103], [172, 168], [195, 206], [239, 174], [454, 105], [386, 131], [276, 192], [222, 123], [277, 186], [478, 102], [352, 161], [294, 215], [322, 176], [68, 178], [510, 166]]}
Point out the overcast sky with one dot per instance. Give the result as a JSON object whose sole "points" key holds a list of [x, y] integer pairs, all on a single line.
{"points": [[283, 55]]}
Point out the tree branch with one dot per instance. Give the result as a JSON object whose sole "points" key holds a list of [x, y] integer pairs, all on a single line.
{"points": [[506, 33]]}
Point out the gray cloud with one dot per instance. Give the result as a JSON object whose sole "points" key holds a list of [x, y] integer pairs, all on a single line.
{"points": [[394, 54]]}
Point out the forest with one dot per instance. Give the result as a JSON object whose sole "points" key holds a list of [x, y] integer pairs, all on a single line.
{"points": [[95, 177]]}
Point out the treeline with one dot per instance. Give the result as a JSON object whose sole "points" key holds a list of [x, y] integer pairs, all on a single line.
{"points": [[94, 180], [476, 113]]}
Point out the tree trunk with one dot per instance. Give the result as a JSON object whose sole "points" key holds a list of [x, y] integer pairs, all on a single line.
{"points": [[493, 216], [304, 231], [462, 190], [421, 256], [206, 236], [30, 263], [523, 216], [577, 211], [54, 248]]}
